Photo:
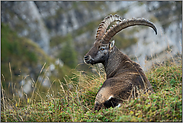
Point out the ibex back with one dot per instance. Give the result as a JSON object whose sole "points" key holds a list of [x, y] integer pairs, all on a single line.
{"points": [[124, 76]]}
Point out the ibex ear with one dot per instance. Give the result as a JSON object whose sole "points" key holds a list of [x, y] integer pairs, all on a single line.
{"points": [[111, 45]]}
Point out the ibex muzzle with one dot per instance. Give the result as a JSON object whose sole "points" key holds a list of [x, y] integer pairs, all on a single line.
{"points": [[124, 76]]}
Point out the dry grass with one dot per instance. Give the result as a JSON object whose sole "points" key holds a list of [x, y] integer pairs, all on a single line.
{"points": [[74, 101]]}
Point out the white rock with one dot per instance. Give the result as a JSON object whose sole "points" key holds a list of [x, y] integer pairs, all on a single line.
{"points": [[52, 67], [59, 62], [27, 86]]}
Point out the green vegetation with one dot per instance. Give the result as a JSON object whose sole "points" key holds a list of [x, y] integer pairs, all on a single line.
{"points": [[71, 96], [68, 54], [76, 103], [57, 40], [15, 51], [122, 42], [21, 57]]}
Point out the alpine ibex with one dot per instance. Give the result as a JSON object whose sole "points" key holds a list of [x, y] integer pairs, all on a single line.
{"points": [[124, 76]]}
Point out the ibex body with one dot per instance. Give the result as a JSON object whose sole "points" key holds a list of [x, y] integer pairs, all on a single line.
{"points": [[124, 76]]}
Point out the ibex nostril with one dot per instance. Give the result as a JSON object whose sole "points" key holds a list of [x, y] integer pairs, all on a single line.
{"points": [[86, 57]]}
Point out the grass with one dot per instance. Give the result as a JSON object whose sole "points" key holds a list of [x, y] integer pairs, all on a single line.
{"points": [[74, 101], [20, 59]]}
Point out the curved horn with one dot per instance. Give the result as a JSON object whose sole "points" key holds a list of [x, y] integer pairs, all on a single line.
{"points": [[104, 25], [124, 24]]}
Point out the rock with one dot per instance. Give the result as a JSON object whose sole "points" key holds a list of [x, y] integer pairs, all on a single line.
{"points": [[25, 18], [52, 67], [44, 81], [22, 82], [150, 45], [27, 87], [33, 19], [20, 94], [59, 62]]}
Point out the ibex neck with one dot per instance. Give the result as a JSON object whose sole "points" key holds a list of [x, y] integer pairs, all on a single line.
{"points": [[111, 65]]}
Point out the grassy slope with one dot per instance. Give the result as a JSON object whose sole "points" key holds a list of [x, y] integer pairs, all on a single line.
{"points": [[18, 55], [76, 104]]}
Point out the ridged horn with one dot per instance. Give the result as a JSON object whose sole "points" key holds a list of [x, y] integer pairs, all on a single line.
{"points": [[124, 24], [104, 25]]}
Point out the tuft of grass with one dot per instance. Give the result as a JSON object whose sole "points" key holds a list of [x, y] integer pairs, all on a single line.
{"points": [[74, 101]]}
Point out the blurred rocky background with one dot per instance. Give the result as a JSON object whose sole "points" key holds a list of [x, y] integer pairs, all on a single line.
{"points": [[41, 42]]}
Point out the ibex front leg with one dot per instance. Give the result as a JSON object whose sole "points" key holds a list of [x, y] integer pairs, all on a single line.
{"points": [[109, 95]]}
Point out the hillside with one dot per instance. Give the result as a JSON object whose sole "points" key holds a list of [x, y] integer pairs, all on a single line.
{"points": [[44, 78], [55, 35], [50, 24], [76, 104], [24, 64]]}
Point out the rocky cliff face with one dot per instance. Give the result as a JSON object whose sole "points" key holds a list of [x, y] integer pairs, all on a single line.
{"points": [[49, 22], [25, 18], [156, 48]]}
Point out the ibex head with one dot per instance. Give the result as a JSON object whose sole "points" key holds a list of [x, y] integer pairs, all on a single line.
{"points": [[102, 45], [98, 53]]}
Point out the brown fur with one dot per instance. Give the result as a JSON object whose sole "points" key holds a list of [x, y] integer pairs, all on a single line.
{"points": [[122, 75]]}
